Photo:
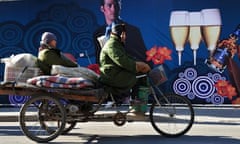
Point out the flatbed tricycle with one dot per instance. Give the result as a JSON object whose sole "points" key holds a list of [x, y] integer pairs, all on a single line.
{"points": [[53, 112]]}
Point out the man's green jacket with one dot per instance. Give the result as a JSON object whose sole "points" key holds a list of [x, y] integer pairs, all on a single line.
{"points": [[118, 69]]}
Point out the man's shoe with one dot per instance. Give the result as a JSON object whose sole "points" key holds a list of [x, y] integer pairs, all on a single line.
{"points": [[136, 116]]}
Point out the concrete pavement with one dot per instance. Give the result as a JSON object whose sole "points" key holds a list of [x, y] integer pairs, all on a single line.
{"points": [[213, 125], [203, 113], [9, 113]]}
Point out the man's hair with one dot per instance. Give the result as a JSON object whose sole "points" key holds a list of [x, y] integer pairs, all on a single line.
{"points": [[102, 2]]}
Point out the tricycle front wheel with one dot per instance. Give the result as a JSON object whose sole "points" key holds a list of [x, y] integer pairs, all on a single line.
{"points": [[173, 117]]}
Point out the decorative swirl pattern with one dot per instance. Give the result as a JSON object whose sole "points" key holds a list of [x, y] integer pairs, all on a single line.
{"points": [[191, 95], [192, 86], [216, 77], [203, 87], [182, 86], [10, 50], [43, 16], [58, 13], [15, 99], [181, 75], [217, 99], [83, 42], [81, 22], [209, 74], [190, 73], [10, 34]]}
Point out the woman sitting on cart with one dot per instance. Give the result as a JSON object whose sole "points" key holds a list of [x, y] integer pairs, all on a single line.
{"points": [[49, 54], [118, 69]]}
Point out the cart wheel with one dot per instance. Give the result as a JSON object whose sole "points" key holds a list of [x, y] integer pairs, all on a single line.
{"points": [[68, 127], [174, 117], [42, 118], [119, 119]]}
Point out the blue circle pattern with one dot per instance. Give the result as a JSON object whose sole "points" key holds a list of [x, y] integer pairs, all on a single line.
{"points": [[191, 95], [216, 77], [82, 43], [181, 75], [15, 99], [10, 50], [193, 86], [10, 34], [58, 13], [182, 86], [217, 99], [203, 87], [80, 22], [190, 73]]}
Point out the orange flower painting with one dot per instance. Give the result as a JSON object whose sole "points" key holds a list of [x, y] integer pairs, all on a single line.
{"points": [[224, 88], [158, 55]]}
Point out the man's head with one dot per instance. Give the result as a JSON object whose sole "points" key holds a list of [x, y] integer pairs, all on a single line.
{"points": [[120, 31], [111, 10], [48, 38]]}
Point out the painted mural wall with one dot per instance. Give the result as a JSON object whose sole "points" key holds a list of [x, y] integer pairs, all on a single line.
{"points": [[74, 21]]}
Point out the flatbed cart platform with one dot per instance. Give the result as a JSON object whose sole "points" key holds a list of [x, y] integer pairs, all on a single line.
{"points": [[51, 112]]}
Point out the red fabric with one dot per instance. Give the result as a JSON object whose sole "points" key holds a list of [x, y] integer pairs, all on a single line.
{"points": [[95, 68]]}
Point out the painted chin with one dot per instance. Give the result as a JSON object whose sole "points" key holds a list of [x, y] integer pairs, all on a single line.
{"points": [[113, 15]]}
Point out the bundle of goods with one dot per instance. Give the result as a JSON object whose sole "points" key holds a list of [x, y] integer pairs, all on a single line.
{"points": [[60, 82], [20, 67]]}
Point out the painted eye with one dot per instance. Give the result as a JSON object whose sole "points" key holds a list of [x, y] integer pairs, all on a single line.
{"points": [[109, 5]]}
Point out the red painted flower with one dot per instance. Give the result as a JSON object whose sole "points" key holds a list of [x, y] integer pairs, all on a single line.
{"points": [[165, 52], [158, 59], [225, 89], [151, 53], [231, 92], [221, 87], [94, 67], [158, 54]]}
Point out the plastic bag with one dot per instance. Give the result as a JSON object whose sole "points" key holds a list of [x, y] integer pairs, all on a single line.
{"points": [[21, 60]]}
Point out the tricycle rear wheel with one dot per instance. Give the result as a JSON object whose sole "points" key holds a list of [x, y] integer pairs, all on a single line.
{"points": [[42, 118]]}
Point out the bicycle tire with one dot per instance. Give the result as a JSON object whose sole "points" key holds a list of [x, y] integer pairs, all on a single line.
{"points": [[68, 127], [42, 118], [174, 117]]}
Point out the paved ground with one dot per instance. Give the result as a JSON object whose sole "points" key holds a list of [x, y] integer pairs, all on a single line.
{"points": [[202, 113], [213, 125]]}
